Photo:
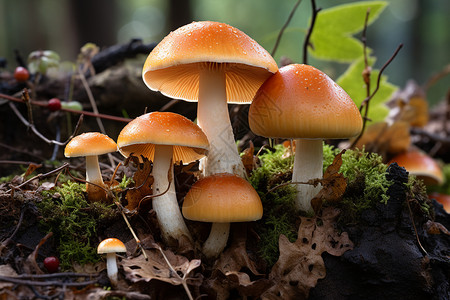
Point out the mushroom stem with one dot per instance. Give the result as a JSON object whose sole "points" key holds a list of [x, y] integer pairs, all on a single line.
{"points": [[217, 240], [308, 164], [111, 267], [166, 206], [214, 119], [93, 175]]}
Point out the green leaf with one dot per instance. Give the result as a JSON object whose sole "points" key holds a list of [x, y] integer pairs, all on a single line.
{"points": [[332, 35], [352, 82]]}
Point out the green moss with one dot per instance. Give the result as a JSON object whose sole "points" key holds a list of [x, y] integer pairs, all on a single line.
{"points": [[74, 222], [279, 215], [366, 181], [366, 186]]}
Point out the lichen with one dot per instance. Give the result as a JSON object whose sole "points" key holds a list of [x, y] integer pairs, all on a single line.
{"points": [[74, 222]]}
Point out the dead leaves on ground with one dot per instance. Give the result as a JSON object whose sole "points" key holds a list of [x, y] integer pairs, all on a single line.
{"points": [[300, 265]]}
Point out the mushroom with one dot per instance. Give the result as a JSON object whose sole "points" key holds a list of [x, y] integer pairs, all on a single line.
{"points": [[212, 63], [164, 138], [110, 247], [221, 199], [90, 145], [302, 103], [421, 165], [442, 199]]}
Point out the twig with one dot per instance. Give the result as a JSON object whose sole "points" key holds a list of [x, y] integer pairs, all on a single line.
{"points": [[415, 229], [306, 43], [138, 241], [19, 223], [32, 282], [436, 77], [374, 92], [79, 112], [174, 272], [39, 176], [91, 100], [40, 135], [280, 34]]}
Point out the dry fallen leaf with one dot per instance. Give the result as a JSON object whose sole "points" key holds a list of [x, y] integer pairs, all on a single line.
{"points": [[300, 264], [142, 184], [229, 270], [333, 184], [156, 267]]}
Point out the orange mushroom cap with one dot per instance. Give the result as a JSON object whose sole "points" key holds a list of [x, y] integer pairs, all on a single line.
{"points": [[90, 143], [174, 64], [111, 245], [163, 128], [300, 101], [421, 165], [442, 199], [222, 198]]}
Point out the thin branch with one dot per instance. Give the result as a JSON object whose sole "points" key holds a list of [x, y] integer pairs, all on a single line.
{"points": [[280, 34], [91, 100], [415, 229], [79, 112], [40, 135], [373, 94], [306, 43], [39, 176]]}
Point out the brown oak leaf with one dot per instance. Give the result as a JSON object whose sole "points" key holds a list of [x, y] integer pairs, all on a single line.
{"points": [[175, 270], [333, 184], [142, 184], [300, 264], [229, 270]]}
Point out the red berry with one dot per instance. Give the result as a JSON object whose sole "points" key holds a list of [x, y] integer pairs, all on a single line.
{"points": [[54, 104], [51, 263], [21, 74]]}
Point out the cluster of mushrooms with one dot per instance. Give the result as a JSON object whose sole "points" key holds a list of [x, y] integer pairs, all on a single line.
{"points": [[215, 64]]}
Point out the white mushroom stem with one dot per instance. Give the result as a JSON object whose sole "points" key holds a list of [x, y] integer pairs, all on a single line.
{"points": [[308, 164], [93, 173], [111, 268], [166, 206], [214, 119], [217, 240]]}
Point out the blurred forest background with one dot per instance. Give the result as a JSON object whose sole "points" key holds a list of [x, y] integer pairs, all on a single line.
{"points": [[66, 25]]}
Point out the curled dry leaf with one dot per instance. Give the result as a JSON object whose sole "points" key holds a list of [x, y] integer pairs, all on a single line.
{"points": [[228, 271], [300, 264], [139, 269], [142, 183], [333, 184]]}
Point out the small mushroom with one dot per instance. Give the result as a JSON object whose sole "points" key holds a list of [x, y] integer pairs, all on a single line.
{"points": [[215, 64], [164, 138], [302, 103], [110, 247], [90, 145], [421, 165], [221, 199], [442, 199]]}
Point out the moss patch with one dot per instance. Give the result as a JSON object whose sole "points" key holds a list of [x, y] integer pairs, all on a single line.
{"points": [[74, 222], [279, 215]]}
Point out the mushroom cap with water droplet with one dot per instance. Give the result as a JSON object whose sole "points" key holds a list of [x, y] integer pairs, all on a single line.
{"points": [[174, 65], [163, 128], [300, 101], [222, 198]]}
